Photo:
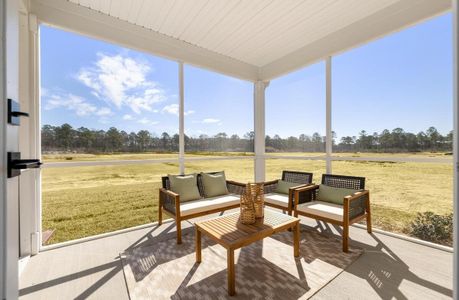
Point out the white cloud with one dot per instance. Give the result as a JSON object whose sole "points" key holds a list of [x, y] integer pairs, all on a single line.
{"points": [[71, 102], [173, 109], [210, 121], [145, 121], [128, 117], [75, 103], [104, 111], [122, 81]]}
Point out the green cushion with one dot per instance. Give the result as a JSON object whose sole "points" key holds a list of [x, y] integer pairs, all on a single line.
{"points": [[214, 184], [333, 195], [283, 186], [186, 186]]}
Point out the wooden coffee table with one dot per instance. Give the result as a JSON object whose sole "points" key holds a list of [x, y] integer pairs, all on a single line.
{"points": [[231, 234]]}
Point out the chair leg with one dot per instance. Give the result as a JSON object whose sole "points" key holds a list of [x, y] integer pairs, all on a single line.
{"points": [[179, 231], [160, 209], [346, 238], [160, 215], [369, 229]]}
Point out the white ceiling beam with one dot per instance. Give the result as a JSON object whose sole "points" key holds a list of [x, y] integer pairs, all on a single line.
{"points": [[394, 18], [82, 20]]}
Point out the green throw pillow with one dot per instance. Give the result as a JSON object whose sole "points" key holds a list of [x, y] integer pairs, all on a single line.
{"points": [[186, 186], [214, 184], [283, 186], [333, 195]]}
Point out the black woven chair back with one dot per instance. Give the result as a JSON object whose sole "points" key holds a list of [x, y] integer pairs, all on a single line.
{"points": [[341, 181], [297, 177]]}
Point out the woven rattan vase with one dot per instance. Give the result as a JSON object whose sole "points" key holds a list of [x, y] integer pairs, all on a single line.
{"points": [[252, 203], [247, 215], [257, 194]]}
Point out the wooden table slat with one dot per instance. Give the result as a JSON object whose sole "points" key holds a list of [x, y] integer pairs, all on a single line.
{"points": [[231, 231]]}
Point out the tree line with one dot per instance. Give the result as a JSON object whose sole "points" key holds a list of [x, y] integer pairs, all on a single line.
{"points": [[65, 138]]}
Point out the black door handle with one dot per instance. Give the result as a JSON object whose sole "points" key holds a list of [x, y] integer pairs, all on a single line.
{"points": [[16, 164], [19, 114], [22, 164]]}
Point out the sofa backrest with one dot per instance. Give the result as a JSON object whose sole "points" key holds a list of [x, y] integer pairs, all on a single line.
{"points": [[342, 181], [166, 182]]}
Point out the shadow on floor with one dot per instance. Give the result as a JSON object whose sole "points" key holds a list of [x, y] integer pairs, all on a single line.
{"points": [[383, 269], [115, 266]]}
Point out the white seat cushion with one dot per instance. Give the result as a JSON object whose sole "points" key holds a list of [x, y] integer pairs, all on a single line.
{"points": [[201, 205], [323, 209], [277, 199]]}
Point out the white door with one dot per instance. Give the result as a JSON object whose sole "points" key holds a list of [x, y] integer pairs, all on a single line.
{"points": [[9, 187]]}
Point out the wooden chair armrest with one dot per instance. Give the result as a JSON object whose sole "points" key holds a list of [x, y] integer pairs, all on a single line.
{"points": [[298, 190], [271, 182], [308, 187], [299, 186], [235, 183], [170, 201], [270, 186], [356, 195], [169, 192], [235, 187]]}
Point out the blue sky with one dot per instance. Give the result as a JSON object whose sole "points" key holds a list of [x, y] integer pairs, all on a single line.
{"points": [[402, 80]]}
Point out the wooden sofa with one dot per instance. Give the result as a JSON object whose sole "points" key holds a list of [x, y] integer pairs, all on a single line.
{"points": [[283, 201], [169, 202], [355, 208]]}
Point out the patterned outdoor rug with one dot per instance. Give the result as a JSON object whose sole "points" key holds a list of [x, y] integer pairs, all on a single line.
{"points": [[264, 270]]}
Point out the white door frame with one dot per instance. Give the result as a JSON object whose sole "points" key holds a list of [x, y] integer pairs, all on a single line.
{"points": [[2, 150], [456, 146], [9, 142]]}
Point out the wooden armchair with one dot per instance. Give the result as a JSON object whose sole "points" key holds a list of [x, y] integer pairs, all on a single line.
{"points": [[355, 207], [286, 201]]}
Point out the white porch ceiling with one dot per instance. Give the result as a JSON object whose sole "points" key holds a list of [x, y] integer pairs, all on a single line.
{"points": [[260, 38], [256, 32]]}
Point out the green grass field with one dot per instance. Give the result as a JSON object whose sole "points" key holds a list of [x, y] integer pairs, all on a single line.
{"points": [[83, 201]]}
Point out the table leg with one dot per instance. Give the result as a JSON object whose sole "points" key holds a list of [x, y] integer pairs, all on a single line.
{"points": [[198, 245], [231, 273], [296, 240]]}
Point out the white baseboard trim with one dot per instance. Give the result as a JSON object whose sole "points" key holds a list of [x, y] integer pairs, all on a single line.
{"points": [[408, 238], [100, 236]]}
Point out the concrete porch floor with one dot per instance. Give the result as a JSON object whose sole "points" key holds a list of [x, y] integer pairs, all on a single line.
{"points": [[390, 268]]}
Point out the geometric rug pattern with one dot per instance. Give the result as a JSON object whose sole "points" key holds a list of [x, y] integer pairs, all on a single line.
{"points": [[264, 270]]}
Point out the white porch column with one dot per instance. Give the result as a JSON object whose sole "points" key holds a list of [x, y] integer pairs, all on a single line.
{"points": [[456, 146], [181, 121], [259, 128], [328, 114]]}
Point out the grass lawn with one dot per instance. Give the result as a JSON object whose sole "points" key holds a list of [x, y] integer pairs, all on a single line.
{"points": [[84, 201]]}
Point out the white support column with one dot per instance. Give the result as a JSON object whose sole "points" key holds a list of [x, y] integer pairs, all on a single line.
{"points": [[259, 127], [328, 114], [456, 147], [181, 120]]}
